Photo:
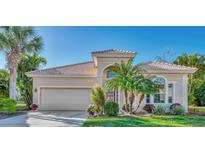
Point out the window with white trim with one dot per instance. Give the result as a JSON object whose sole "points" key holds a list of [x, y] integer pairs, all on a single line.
{"points": [[159, 96], [170, 92], [111, 74], [112, 96]]}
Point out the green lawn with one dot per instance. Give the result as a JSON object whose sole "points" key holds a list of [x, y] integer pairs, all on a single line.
{"points": [[144, 121]]}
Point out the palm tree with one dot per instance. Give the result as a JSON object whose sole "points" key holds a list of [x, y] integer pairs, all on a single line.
{"points": [[15, 42], [28, 63], [124, 71], [129, 79]]}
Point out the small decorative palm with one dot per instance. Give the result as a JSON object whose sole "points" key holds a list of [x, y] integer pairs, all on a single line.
{"points": [[98, 98]]}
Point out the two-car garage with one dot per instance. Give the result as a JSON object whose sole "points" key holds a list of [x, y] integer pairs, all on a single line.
{"points": [[64, 88], [64, 98]]}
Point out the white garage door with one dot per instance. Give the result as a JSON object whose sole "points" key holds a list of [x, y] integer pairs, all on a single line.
{"points": [[65, 98]]}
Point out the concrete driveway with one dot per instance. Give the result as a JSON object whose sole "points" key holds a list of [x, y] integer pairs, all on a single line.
{"points": [[46, 119]]}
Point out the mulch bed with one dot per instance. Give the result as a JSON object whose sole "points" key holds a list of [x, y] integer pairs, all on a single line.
{"points": [[4, 115]]}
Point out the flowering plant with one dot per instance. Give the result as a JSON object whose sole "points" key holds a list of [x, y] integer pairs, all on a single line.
{"points": [[33, 107], [149, 108], [91, 109]]}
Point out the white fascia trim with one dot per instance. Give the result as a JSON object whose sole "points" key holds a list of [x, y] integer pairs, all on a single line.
{"points": [[61, 76], [168, 72]]}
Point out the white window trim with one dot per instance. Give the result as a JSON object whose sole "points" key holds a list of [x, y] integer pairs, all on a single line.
{"points": [[173, 92], [166, 91]]}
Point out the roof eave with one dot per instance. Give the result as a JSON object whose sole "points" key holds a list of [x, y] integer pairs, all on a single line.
{"points": [[170, 72], [60, 76]]}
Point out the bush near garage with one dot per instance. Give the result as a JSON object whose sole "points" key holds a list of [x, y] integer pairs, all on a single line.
{"points": [[21, 107], [98, 99]]}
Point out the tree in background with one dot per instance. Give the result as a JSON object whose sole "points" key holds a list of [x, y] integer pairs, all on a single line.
{"points": [[15, 42], [198, 78], [24, 83], [200, 95], [4, 84]]}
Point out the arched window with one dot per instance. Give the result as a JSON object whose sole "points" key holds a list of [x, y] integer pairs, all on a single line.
{"points": [[111, 74], [159, 96]]}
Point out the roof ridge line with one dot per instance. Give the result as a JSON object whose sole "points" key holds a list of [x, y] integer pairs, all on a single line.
{"points": [[107, 50]]}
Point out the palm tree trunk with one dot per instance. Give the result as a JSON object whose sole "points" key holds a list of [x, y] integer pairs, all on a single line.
{"points": [[126, 101], [140, 101], [132, 97], [12, 83], [13, 59]]}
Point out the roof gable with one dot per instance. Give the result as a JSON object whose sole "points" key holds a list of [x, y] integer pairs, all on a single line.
{"points": [[111, 53]]}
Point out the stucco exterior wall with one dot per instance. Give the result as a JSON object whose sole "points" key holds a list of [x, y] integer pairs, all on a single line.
{"points": [[61, 82], [103, 64]]}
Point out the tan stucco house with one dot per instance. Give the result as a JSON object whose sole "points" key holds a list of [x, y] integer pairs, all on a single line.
{"points": [[69, 87]]}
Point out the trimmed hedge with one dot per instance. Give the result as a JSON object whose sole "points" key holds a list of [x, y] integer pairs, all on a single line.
{"points": [[21, 107], [8, 105]]}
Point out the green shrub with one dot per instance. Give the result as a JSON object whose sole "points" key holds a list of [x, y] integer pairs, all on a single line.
{"points": [[21, 107], [98, 98], [200, 95], [192, 99], [177, 109], [8, 105], [196, 109], [159, 110], [4, 84], [111, 108], [91, 108]]}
